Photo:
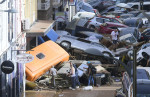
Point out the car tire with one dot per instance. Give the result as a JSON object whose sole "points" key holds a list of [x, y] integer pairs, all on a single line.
{"points": [[92, 27], [65, 45]]}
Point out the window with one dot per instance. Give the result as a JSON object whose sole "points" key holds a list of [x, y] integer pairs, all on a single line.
{"points": [[148, 33], [83, 40], [106, 20], [146, 7], [99, 20], [87, 8], [135, 6], [40, 55], [113, 20], [79, 15]]}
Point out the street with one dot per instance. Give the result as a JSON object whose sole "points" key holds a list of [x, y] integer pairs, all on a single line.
{"points": [[102, 91]]}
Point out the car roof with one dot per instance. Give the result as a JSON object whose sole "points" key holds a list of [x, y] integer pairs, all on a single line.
{"points": [[124, 31]]}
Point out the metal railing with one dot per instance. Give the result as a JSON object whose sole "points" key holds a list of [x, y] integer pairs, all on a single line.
{"points": [[44, 6]]}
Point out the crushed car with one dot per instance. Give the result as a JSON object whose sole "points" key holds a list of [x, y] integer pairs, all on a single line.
{"points": [[72, 42]]}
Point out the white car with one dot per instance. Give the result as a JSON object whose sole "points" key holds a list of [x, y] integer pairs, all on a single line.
{"points": [[145, 20], [96, 21], [82, 7], [144, 49], [87, 15]]}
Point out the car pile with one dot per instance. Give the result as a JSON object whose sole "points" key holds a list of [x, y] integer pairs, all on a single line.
{"points": [[88, 37]]}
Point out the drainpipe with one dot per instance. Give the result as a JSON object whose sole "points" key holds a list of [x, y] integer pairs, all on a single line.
{"points": [[134, 73]]}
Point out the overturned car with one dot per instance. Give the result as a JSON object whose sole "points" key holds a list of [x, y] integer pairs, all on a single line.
{"points": [[72, 42]]}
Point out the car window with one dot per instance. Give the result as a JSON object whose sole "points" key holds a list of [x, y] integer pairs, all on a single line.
{"points": [[145, 46], [130, 23], [112, 28], [135, 33], [142, 16], [148, 33], [135, 6], [79, 15], [128, 38], [106, 20], [40, 55], [146, 7], [99, 20], [87, 8], [113, 20], [112, 9], [83, 40]]}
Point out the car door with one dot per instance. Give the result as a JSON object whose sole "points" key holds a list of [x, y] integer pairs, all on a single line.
{"points": [[99, 21], [82, 44]]}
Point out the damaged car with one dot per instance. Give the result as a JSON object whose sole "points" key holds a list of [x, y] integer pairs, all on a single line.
{"points": [[72, 42], [141, 53]]}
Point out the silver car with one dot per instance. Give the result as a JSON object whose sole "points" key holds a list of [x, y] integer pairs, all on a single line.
{"points": [[72, 42]]}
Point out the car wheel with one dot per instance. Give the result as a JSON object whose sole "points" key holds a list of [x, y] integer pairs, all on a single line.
{"points": [[92, 27], [66, 45]]}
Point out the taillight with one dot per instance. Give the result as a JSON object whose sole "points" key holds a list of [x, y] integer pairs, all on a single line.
{"points": [[142, 37], [89, 21], [117, 16]]}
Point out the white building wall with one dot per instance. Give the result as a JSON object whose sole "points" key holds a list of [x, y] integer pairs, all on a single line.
{"points": [[3, 27]]}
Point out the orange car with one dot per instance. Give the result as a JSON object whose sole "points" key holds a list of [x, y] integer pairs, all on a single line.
{"points": [[45, 55]]}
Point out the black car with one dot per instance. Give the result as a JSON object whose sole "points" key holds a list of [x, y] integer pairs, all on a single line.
{"points": [[143, 83], [145, 36], [133, 22]]}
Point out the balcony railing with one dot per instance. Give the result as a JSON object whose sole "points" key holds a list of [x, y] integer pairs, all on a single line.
{"points": [[44, 6]]}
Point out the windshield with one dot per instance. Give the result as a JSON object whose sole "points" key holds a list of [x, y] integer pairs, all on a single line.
{"points": [[87, 8], [128, 38], [145, 45], [142, 16]]}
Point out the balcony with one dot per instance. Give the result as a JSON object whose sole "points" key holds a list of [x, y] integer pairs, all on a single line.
{"points": [[44, 6]]}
